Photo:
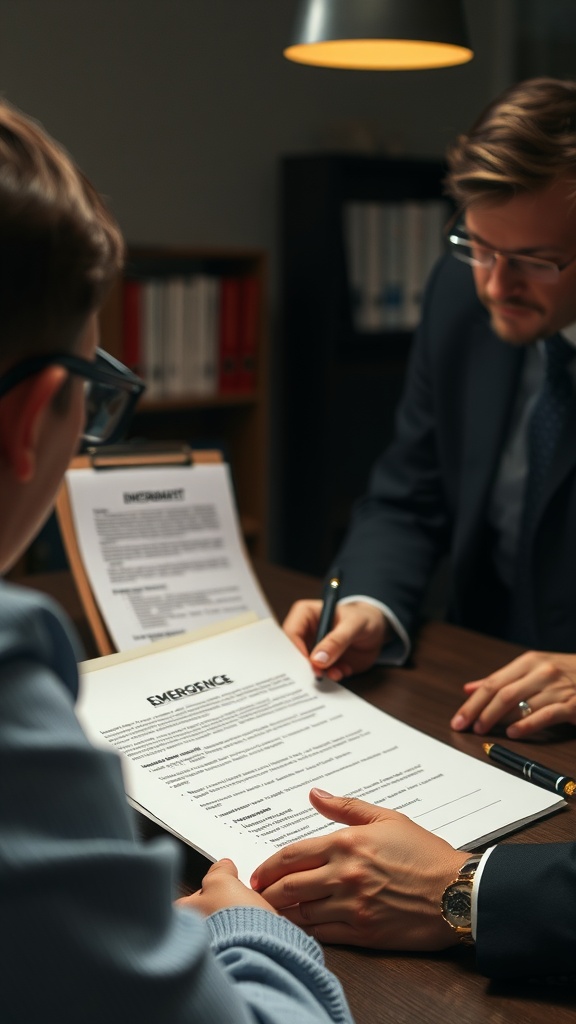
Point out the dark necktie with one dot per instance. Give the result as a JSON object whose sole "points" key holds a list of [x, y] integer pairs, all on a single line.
{"points": [[544, 430]]}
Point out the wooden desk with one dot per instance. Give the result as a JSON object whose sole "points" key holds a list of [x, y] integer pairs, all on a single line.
{"points": [[417, 988]]}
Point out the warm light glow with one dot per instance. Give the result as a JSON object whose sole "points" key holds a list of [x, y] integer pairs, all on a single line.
{"points": [[379, 54]]}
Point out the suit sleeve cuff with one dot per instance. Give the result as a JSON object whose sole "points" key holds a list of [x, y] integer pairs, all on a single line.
{"points": [[397, 650], [476, 889]]}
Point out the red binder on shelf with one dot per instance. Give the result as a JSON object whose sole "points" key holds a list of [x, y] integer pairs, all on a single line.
{"points": [[249, 330], [229, 335]]}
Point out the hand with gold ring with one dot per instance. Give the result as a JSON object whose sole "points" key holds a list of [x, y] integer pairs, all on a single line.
{"points": [[531, 693]]}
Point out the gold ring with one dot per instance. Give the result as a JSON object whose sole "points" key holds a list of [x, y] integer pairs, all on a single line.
{"points": [[525, 708]]}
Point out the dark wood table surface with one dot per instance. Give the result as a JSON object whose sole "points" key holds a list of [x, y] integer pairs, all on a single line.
{"points": [[415, 988]]}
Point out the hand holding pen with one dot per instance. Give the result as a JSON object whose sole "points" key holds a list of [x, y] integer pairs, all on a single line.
{"points": [[329, 602], [340, 639]]}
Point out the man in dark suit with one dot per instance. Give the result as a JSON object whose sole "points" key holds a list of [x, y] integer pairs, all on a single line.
{"points": [[483, 464]]}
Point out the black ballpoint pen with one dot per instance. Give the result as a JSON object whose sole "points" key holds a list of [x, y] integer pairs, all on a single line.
{"points": [[531, 770], [329, 604]]}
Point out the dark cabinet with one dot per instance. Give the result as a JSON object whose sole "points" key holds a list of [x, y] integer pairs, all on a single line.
{"points": [[339, 383]]}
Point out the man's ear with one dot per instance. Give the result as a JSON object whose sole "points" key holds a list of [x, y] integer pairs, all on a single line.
{"points": [[24, 415]]}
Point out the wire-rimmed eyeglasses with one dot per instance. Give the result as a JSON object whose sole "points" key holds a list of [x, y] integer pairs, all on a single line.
{"points": [[111, 390], [469, 251]]}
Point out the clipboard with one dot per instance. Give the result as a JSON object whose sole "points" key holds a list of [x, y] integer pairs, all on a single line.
{"points": [[107, 459]]}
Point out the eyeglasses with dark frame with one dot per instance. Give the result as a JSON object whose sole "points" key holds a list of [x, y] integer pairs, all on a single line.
{"points": [[111, 390], [475, 254]]}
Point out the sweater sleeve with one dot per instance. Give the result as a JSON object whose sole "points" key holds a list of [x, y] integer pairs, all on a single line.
{"points": [[89, 930]]}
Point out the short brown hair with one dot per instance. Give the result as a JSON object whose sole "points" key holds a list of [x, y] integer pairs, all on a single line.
{"points": [[59, 245], [523, 141]]}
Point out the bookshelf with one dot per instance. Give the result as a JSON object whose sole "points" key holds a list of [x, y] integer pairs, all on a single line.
{"points": [[340, 382], [226, 412]]}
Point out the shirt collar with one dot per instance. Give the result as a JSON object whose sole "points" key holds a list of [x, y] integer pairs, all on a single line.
{"points": [[569, 333]]}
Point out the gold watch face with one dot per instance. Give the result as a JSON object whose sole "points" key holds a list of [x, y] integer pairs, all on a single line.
{"points": [[457, 904]]}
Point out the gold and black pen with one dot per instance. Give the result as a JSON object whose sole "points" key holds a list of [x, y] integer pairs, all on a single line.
{"points": [[531, 770]]}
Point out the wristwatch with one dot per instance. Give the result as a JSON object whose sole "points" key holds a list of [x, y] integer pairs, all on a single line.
{"points": [[456, 903]]}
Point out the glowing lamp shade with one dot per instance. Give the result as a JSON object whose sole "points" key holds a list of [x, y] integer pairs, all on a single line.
{"points": [[385, 35]]}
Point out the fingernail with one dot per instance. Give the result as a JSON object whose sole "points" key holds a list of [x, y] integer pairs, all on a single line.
{"points": [[479, 728], [458, 722], [322, 792], [321, 657], [513, 732]]}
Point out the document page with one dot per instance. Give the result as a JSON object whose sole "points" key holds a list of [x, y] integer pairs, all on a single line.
{"points": [[162, 549], [222, 740]]}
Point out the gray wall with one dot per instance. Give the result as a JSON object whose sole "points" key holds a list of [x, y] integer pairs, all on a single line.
{"points": [[179, 109]]}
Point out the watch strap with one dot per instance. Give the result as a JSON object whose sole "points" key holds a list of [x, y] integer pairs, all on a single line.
{"points": [[469, 867], [465, 874]]}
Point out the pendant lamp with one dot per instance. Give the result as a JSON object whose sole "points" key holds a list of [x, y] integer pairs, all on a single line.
{"points": [[390, 35]]}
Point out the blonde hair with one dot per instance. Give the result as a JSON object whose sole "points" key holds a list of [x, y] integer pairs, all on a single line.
{"points": [[523, 141]]}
